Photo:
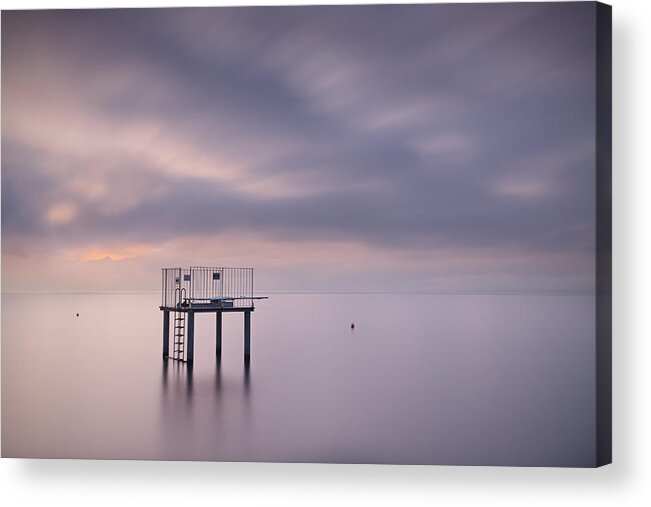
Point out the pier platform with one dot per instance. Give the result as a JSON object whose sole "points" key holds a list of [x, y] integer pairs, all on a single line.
{"points": [[188, 291]]}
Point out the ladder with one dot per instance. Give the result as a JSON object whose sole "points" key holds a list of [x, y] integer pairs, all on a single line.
{"points": [[179, 327]]}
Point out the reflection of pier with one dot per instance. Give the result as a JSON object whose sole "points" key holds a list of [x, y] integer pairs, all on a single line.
{"points": [[188, 291], [205, 411]]}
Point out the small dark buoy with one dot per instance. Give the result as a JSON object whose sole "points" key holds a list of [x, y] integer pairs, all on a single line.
{"points": [[352, 326]]}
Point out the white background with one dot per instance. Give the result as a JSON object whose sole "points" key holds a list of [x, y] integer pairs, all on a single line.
{"points": [[626, 482]]}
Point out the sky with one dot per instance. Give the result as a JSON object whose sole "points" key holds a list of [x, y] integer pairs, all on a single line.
{"points": [[357, 148]]}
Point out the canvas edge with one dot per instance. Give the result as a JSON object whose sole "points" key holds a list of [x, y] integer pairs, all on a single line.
{"points": [[603, 234]]}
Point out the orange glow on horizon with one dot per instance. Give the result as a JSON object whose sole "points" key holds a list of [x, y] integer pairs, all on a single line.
{"points": [[112, 254]]}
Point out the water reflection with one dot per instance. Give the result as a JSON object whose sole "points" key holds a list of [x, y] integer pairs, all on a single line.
{"points": [[218, 374], [181, 375], [247, 376], [178, 379], [188, 380], [177, 394], [204, 408], [328, 394]]}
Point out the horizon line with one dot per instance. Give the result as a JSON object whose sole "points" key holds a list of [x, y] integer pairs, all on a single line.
{"points": [[341, 292]]}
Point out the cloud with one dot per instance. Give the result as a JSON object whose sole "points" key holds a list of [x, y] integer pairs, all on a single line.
{"points": [[523, 188], [411, 129], [61, 213]]}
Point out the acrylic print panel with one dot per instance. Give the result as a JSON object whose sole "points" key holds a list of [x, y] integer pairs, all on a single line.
{"points": [[423, 192]]}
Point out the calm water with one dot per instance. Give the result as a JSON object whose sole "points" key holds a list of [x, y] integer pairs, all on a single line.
{"points": [[422, 379]]}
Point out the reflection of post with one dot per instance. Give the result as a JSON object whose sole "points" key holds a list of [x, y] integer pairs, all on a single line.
{"points": [[247, 335], [218, 335], [188, 373], [166, 333], [165, 367], [247, 374], [218, 375], [189, 357]]}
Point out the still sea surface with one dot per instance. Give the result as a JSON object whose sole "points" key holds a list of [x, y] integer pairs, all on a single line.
{"points": [[445, 379]]}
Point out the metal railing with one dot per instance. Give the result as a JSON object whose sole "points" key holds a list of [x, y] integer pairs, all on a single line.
{"points": [[208, 285]]}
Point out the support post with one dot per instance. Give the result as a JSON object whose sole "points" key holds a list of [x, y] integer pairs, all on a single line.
{"points": [[189, 353], [247, 335], [218, 334], [166, 334]]}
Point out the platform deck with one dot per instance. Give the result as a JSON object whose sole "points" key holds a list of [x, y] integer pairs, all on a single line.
{"points": [[203, 308]]}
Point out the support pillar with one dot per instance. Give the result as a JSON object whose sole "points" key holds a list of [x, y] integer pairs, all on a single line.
{"points": [[189, 352], [166, 334], [218, 334], [247, 335]]}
